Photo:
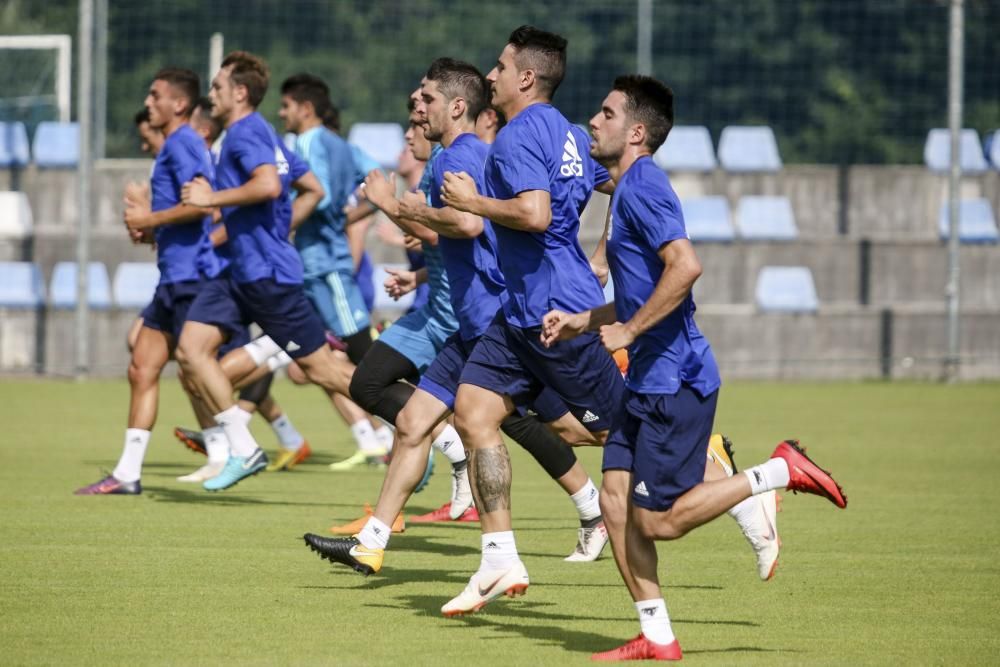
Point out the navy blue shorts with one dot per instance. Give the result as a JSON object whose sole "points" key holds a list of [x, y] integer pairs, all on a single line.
{"points": [[282, 311], [662, 440], [512, 361], [169, 308], [442, 377]]}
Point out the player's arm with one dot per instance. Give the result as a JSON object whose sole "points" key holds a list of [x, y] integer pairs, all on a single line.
{"points": [[403, 281], [447, 221], [218, 235], [381, 192], [139, 215], [558, 325], [309, 195], [529, 211], [263, 185], [599, 260]]}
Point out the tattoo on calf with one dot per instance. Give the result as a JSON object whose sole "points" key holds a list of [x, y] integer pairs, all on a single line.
{"points": [[491, 469]]}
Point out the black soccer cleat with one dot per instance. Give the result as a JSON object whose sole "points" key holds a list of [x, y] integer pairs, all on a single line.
{"points": [[193, 440], [346, 551]]}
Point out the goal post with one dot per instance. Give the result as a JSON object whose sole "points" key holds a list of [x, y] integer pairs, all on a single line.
{"points": [[62, 45]]}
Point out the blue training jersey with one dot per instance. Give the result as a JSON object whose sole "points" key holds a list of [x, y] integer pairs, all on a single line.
{"points": [[540, 150], [321, 239], [258, 245], [439, 298], [183, 251], [645, 216], [477, 286]]}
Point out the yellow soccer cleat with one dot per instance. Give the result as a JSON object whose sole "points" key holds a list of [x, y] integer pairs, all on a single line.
{"points": [[360, 458], [347, 551], [720, 450], [289, 458]]}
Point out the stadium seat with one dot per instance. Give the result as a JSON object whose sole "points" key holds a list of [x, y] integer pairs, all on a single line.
{"points": [[383, 141], [749, 149], [991, 146], [15, 215], [62, 288], [687, 148], [383, 301], [760, 218], [937, 151], [707, 219], [13, 145], [786, 289], [976, 223], [134, 284], [21, 285], [57, 145]]}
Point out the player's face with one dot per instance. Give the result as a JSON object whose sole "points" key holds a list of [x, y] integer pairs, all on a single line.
{"points": [[504, 79], [419, 107], [436, 109], [161, 101], [609, 129], [221, 94], [151, 139], [291, 113], [415, 138]]}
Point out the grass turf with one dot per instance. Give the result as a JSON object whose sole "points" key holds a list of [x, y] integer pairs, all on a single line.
{"points": [[179, 576]]}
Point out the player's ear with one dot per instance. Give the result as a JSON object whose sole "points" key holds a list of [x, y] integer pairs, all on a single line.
{"points": [[458, 107], [637, 134], [527, 78]]}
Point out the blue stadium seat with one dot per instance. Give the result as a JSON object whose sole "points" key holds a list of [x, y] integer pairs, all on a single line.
{"points": [[707, 219], [991, 146], [760, 218], [62, 288], [786, 289], [976, 223], [383, 301], [687, 148], [937, 151], [21, 285], [383, 141], [13, 145], [57, 145], [134, 284], [749, 148], [15, 215]]}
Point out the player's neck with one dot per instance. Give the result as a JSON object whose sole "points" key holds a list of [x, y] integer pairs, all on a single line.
{"points": [[628, 158], [173, 125], [455, 131], [238, 114], [520, 104], [309, 124]]}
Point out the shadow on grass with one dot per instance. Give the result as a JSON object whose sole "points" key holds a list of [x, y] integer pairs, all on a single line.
{"points": [[172, 495], [739, 649]]}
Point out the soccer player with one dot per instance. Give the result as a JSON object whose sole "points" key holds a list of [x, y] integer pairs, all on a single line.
{"points": [[265, 280], [673, 383], [185, 258]]}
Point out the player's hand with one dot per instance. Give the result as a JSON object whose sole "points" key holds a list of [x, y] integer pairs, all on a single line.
{"points": [[616, 336], [412, 204], [458, 190], [412, 243], [197, 193], [137, 192], [138, 215], [380, 190], [557, 325], [400, 282]]}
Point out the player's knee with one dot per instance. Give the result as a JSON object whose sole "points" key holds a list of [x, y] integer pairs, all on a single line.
{"points": [[296, 374], [142, 374], [409, 431], [364, 391], [656, 525], [614, 505]]}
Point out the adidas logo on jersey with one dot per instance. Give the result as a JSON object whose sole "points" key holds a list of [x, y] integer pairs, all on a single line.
{"points": [[640, 489], [281, 162], [572, 164], [589, 417]]}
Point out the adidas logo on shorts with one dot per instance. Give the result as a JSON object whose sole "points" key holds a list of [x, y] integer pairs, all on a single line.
{"points": [[640, 489], [589, 417], [292, 346]]}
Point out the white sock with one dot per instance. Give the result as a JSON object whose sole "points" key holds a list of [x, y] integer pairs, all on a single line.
{"points": [[587, 501], [744, 511], [243, 415], [279, 360], [450, 444], [499, 551], [261, 348], [287, 434], [768, 476], [375, 534], [385, 436], [129, 468], [216, 444], [364, 435], [654, 621], [241, 443]]}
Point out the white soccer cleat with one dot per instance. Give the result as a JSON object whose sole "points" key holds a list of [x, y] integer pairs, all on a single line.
{"points": [[485, 586], [762, 534], [589, 544], [206, 472], [461, 493]]}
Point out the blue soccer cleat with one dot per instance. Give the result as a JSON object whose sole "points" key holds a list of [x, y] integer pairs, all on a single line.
{"points": [[237, 468]]}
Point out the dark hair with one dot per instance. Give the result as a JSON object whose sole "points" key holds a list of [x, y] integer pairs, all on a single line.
{"points": [[309, 88], [203, 109], [542, 52], [141, 116], [184, 81], [411, 104], [250, 71], [649, 102], [460, 79], [501, 119]]}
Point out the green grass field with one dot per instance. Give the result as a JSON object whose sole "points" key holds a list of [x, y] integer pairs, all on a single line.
{"points": [[906, 575]]}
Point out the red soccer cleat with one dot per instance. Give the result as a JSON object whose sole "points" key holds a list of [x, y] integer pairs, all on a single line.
{"points": [[806, 476], [640, 648], [442, 515]]}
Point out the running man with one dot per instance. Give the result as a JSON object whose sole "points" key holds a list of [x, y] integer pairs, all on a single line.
{"points": [[669, 404]]}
